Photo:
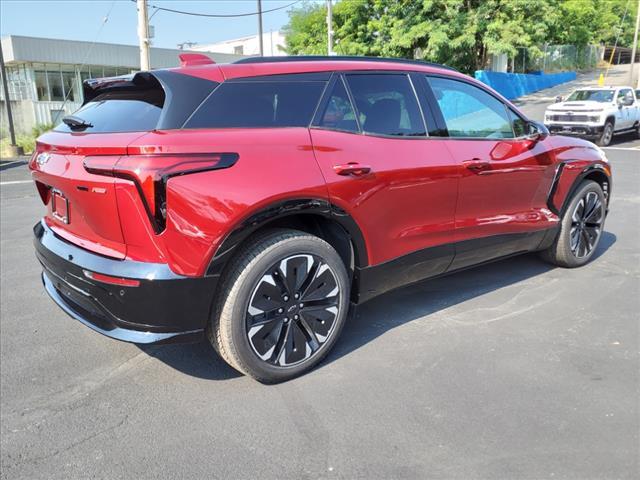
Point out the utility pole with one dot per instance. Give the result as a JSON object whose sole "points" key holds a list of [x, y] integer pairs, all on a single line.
{"points": [[14, 149], [260, 28], [143, 35], [635, 49], [329, 28]]}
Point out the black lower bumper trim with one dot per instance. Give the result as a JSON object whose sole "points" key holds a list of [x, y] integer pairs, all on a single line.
{"points": [[119, 333], [163, 308]]}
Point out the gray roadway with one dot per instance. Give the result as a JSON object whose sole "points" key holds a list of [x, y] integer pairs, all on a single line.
{"points": [[514, 370]]}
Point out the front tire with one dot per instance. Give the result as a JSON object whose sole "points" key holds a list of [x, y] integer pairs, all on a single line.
{"points": [[581, 228], [607, 134], [282, 306]]}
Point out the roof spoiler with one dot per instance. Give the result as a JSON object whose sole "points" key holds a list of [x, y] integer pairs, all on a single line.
{"points": [[193, 59], [92, 87]]}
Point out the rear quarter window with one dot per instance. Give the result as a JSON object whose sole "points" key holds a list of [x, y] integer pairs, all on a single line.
{"points": [[120, 111], [259, 104]]}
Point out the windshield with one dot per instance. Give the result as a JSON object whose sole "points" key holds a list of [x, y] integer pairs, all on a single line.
{"points": [[591, 95]]}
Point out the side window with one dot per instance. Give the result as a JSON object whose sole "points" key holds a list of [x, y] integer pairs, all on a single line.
{"points": [[519, 125], [626, 96], [386, 104], [339, 113], [469, 111], [258, 104]]}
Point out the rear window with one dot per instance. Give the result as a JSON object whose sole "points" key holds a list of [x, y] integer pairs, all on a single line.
{"points": [[120, 111], [386, 104], [258, 104]]}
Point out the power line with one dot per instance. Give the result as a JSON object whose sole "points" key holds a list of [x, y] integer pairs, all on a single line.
{"points": [[213, 15], [105, 19]]}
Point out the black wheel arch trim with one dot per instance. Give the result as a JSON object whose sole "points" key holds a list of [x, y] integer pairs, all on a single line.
{"points": [[593, 168], [281, 210]]}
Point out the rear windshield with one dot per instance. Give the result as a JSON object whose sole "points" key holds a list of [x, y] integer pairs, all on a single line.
{"points": [[120, 111], [258, 104]]}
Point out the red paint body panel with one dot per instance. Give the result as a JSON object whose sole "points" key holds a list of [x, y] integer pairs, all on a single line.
{"points": [[576, 155], [406, 203], [418, 193], [274, 164], [507, 194]]}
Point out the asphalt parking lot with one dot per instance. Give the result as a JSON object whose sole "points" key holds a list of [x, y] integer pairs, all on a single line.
{"points": [[514, 370]]}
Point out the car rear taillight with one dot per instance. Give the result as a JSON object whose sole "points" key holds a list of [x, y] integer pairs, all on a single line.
{"points": [[44, 191], [150, 174]]}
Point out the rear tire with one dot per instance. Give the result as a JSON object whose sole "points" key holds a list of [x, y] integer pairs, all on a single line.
{"points": [[281, 306], [607, 134], [581, 228]]}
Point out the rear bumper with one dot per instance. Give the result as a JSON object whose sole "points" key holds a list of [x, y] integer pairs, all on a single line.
{"points": [[591, 131], [163, 308]]}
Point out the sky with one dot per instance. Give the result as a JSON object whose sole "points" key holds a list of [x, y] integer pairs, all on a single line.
{"points": [[82, 19]]}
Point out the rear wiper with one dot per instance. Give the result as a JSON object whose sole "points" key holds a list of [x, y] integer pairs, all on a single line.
{"points": [[76, 123]]}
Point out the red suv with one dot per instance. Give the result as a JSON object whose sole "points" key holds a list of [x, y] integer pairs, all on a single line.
{"points": [[255, 202]]}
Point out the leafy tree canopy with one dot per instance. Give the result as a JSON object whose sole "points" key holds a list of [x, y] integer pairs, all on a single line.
{"points": [[460, 33]]}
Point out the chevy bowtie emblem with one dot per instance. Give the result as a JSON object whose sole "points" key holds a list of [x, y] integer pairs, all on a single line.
{"points": [[42, 158]]}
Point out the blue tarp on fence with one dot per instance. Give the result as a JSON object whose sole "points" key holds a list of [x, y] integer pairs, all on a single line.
{"points": [[514, 85]]}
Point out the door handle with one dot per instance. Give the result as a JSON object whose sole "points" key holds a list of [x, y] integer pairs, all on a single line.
{"points": [[477, 165], [352, 168]]}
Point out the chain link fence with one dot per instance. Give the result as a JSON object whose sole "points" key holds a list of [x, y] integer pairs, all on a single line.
{"points": [[556, 58]]}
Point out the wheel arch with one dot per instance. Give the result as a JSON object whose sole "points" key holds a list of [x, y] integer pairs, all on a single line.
{"points": [[593, 172], [316, 216]]}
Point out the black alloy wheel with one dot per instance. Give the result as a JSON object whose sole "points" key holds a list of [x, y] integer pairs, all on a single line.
{"points": [[292, 310], [586, 224]]}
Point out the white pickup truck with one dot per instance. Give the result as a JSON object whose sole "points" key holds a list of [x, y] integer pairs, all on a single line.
{"points": [[596, 113]]}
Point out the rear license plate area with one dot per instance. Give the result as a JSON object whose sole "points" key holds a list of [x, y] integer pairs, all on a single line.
{"points": [[59, 206]]}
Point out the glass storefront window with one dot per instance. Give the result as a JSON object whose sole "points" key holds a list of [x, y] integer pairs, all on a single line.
{"points": [[42, 88], [84, 74], [110, 72], [69, 80], [56, 90]]}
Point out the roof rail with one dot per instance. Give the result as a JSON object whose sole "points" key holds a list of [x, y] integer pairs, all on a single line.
{"points": [[341, 58]]}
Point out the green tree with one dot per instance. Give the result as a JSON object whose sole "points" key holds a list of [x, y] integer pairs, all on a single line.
{"points": [[460, 33], [583, 22]]}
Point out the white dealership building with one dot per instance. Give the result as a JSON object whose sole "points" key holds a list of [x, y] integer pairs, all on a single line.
{"points": [[43, 72]]}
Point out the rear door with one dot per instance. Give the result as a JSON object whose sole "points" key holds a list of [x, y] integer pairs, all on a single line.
{"points": [[380, 165], [504, 176]]}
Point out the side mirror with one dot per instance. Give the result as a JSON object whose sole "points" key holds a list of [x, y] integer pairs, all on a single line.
{"points": [[537, 131], [620, 103], [559, 99]]}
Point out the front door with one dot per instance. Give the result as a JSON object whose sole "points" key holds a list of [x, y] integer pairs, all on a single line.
{"points": [[502, 196], [627, 109]]}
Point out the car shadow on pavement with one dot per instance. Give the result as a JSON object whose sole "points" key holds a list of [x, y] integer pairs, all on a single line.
{"points": [[381, 314], [196, 359]]}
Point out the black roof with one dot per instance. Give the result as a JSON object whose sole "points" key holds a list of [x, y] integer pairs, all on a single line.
{"points": [[341, 58]]}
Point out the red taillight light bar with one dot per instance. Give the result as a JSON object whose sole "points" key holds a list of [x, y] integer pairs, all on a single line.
{"points": [[100, 277], [150, 174]]}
